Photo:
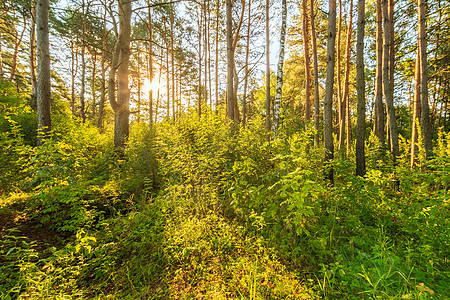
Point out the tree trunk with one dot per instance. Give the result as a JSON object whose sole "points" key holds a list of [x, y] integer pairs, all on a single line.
{"points": [[17, 42], [172, 59], [32, 54], [150, 65], [74, 71], [205, 50], [168, 81], [276, 113], [425, 114], [235, 75], [307, 63], [387, 79], [199, 62], [209, 57], [345, 109], [247, 52], [267, 70], [379, 107], [360, 89], [329, 84], [138, 78], [1, 52], [43, 83], [230, 61], [121, 107], [217, 56], [94, 75], [83, 65], [101, 105], [339, 101], [417, 108], [316, 75]]}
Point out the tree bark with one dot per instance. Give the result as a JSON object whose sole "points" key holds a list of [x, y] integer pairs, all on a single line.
{"points": [[205, 50], [316, 75], [247, 52], [172, 58], [329, 84], [235, 75], [387, 82], [417, 109], [276, 113], [345, 110], [83, 64], [150, 65], [43, 82], [339, 101], [120, 62], [230, 61], [360, 89], [217, 56], [17, 42], [1, 54], [199, 63], [32, 55], [307, 63], [425, 113], [267, 70], [94, 75], [209, 58], [101, 105], [379, 121], [74, 71]]}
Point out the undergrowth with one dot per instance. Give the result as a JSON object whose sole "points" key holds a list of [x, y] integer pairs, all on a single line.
{"points": [[198, 210]]}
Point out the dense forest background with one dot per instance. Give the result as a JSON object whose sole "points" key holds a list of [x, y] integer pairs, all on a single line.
{"points": [[212, 149]]}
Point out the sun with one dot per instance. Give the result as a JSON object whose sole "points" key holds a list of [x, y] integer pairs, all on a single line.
{"points": [[151, 86]]}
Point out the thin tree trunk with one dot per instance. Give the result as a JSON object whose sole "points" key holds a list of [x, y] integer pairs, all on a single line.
{"points": [[425, 114], [200, 63], [209, 56], [267, 70], [83, 65], [387, 86], [157, 94], [74, 71], [217, 56], [168, 81], [307, 63], [172, 58], [235, 76], [329, 84], [205, 50], [339, 101], [417, 108], [247, 51], [101, 105], [379, 107], [1, 54], [316, 75], [138, 78], [150, 65], [360, 89], [345, 110], [94, 75], [43, 83], [276, 114], [230, 61], [32, 54], [17, 42]]}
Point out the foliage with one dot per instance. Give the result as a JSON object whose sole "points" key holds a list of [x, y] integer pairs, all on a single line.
{"points": [[198, 209]]}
